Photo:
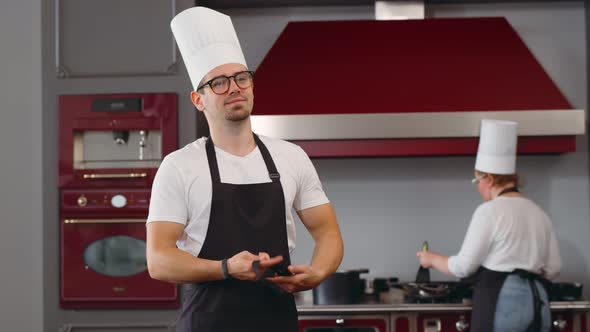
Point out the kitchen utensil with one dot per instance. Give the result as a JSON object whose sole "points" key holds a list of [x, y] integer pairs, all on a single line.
{"points": [[423, 274], [342, 287], [392, 295], [280, 269], [565, 291], [434, 291]]}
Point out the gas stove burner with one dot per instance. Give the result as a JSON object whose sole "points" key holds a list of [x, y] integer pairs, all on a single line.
{"points": [[436, 292], [428, 290]]}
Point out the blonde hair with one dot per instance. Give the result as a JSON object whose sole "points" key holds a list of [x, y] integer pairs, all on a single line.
{"points": [[501, 180]]}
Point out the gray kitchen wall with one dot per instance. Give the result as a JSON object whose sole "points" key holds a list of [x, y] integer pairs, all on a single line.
{"points": [[386, 206], [21, 238]]}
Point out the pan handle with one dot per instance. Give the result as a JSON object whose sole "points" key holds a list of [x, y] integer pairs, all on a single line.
{"points": [[360, 271]]}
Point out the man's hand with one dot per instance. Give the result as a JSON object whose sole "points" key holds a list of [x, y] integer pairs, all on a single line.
{"points": [[240, 266], [304, 277]]}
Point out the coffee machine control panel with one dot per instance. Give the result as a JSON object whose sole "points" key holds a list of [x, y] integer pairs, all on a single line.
{"points": [[111, 199]]}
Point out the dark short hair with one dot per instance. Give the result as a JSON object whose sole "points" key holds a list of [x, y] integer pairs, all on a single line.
{"points": [[200, 84]]}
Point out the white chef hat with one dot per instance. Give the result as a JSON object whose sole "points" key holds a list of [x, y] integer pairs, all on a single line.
{"points": [[496, 153], [206, 39]]}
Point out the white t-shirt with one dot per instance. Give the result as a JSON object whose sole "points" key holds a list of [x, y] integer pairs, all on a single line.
{"points": [[181, 191], [508, 233]]}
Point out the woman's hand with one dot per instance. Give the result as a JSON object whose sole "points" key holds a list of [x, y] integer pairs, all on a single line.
{"points": [[426, 258], [430, 259]]}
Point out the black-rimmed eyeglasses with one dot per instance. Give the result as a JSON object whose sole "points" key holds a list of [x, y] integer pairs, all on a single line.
{"points": [[220, 84]]}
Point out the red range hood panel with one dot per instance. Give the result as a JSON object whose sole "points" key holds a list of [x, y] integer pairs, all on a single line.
{"points": [[431, 65]]}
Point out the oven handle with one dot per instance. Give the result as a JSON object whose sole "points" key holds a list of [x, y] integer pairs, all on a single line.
{"points": [[103, 221], [115, 176]]}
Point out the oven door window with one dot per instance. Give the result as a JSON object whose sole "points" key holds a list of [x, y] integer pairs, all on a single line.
{"points": [[116, 256]]}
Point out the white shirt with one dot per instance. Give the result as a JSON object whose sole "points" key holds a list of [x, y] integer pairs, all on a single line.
{"points": [[181, 191], [507, 233]]}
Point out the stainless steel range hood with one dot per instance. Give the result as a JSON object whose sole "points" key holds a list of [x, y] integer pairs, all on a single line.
{"points": [[415, 125], [399, 10], [411, 87]]}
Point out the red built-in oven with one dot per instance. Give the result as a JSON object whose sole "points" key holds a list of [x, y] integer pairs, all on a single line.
{"points": [[103, 251]]}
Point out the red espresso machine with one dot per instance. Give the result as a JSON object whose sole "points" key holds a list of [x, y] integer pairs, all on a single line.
{"points": [[110, 147]]}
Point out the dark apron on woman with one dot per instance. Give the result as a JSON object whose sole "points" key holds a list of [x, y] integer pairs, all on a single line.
{"points": [[243, 217], [488, 284]]}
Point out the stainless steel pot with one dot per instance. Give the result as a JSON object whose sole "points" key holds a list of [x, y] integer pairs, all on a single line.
{"points": [[342, 287]]}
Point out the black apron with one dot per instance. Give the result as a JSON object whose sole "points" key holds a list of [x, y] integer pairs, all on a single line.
{"points": [[488, 284], [243, 217]]}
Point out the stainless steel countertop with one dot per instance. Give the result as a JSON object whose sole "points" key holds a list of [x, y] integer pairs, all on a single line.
{"points": [[310, 308]]}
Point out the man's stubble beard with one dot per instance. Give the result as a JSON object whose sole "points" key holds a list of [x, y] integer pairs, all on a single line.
{"points": [[237, 114]]}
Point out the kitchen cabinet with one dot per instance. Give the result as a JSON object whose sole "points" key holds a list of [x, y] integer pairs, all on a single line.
{"points": [[344, 323], [402, 322], [562, 322], [566, 316], [568, 321], [447, 322], [109, 38]]}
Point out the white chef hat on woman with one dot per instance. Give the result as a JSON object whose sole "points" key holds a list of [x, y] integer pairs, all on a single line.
{"points": [[496, 152], [206, 39]]}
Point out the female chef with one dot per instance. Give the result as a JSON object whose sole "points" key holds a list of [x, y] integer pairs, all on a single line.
{"points": [[510, 247]]}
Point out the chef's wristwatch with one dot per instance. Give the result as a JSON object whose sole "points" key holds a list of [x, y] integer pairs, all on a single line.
{"points": [[224, 270]]}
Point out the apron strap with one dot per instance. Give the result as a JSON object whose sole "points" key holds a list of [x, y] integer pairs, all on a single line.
{"points": [[270, 165], [212, 159], [531, 277], [536, 323], [214, 169]]}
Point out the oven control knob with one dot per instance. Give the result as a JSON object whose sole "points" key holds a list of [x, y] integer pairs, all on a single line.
{"points": [[559, 323], [82, 201], [118, 201], [462, 324]]}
